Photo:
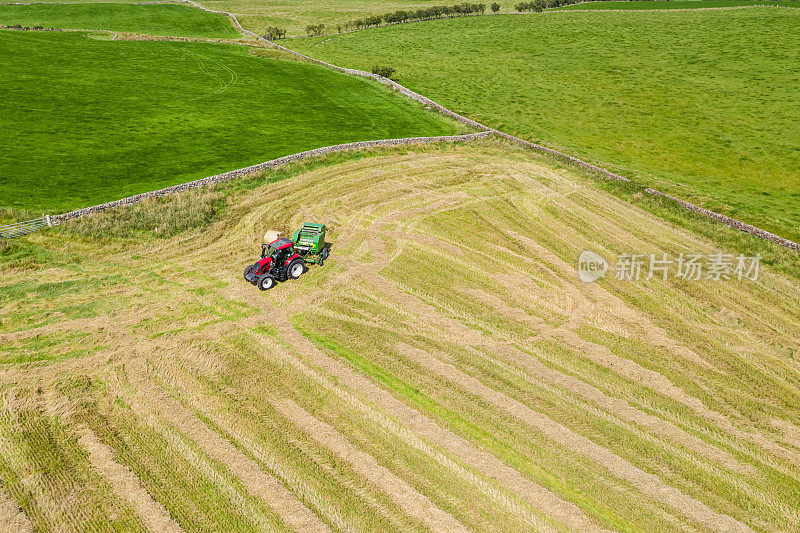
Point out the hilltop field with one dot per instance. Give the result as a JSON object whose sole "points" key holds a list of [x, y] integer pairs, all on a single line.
{"points": [[702, 105], [445, 368]]}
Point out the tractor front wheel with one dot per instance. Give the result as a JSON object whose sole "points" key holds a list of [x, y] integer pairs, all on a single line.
{"points": [[296, 269], [266, 283], [247, 271]]}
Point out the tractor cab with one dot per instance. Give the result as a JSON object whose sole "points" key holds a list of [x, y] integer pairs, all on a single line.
{"points": [[284, 249], [277, 247]]}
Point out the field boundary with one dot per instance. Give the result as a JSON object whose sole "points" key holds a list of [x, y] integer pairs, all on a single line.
{"points": [[17, 229], [710, 8], [272, 163], [546, 10]]}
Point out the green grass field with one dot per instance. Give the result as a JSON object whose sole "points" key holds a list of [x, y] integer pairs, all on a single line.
{"points": [[637, 5], [444, 368], [85, 121], [699, 104], [52, 2], [153, 19]]}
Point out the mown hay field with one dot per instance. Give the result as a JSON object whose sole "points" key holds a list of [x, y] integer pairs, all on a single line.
{"points": [[702, 105], [86, 121], [445, 369]]}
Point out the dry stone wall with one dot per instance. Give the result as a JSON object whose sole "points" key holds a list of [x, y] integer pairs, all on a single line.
{"points": [[732, 222]]}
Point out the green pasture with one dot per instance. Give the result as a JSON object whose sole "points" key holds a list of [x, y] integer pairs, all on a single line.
{"points": [[676, 4], [51, 2], [703, 105], [85, 121], [152, 19]]}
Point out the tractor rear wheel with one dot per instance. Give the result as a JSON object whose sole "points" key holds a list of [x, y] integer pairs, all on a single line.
{"points": [[296, 269], [265, 283]]}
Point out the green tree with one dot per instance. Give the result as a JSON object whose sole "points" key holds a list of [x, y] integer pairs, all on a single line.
{"points": [[274, 33], [382, 70], [315, 29]]}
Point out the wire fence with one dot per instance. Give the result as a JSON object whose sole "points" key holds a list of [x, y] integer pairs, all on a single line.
{"points": [[23, 228]]}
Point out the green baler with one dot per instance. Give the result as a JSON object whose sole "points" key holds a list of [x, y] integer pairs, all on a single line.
{"points": [[309, 242]]}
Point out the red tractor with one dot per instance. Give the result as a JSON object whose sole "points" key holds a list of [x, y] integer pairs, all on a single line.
{"points": [[278, 262]]}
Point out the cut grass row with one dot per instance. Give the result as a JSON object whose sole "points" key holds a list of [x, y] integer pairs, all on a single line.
{"points": [[193, 487], [153, 19], [381, 360], [697, 104], [87, 121]]}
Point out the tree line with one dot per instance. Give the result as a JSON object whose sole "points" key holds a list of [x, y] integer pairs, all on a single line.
{"points": [[415, 15], [540, 5]]}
